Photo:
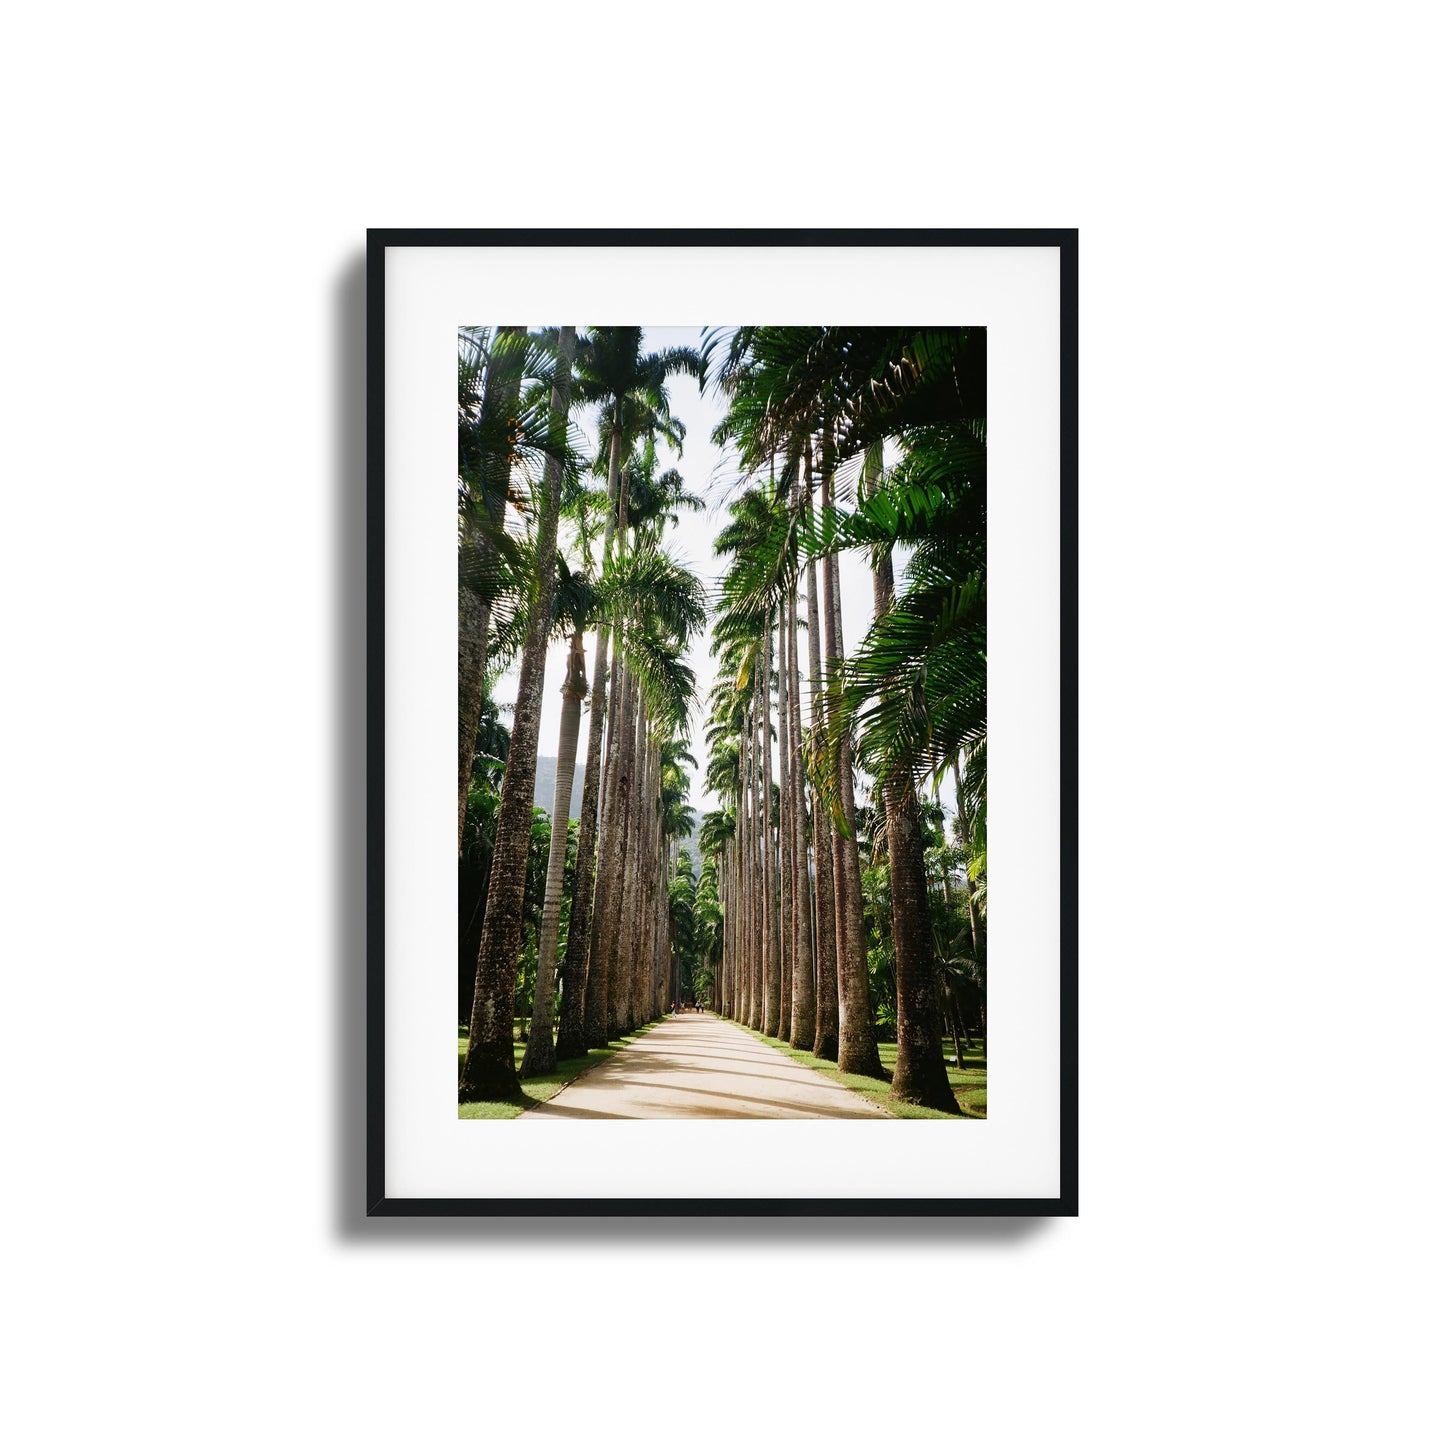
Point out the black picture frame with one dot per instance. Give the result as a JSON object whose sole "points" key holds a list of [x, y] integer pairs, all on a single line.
{"points": [[377, 1201]]}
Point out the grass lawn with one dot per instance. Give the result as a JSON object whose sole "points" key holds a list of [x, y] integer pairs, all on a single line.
{"points": [[970, 1083], [534, 1091]]}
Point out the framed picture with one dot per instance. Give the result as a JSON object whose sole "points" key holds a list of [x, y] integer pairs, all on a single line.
{"points": [[736, 573]]}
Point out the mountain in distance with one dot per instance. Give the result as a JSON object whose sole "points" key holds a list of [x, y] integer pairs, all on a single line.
{"points": [[547, 781]]}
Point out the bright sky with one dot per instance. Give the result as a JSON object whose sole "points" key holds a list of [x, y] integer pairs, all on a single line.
{"points": [[711, 474]]}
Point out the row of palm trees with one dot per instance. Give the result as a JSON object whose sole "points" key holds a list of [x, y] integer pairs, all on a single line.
{"points": [[521, 470], [864, 439]]}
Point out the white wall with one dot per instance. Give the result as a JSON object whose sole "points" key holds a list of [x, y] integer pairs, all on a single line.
{"points": [[186, 193]]}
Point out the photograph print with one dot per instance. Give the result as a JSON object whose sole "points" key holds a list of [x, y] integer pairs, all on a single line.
{"points": [[722, 746]]}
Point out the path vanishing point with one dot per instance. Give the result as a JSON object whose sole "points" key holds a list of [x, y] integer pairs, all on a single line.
{"points": [[698, 1066]]}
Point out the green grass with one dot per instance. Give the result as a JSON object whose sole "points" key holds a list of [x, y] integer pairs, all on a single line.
{"points": [[542, 1087], [970, 1083]]}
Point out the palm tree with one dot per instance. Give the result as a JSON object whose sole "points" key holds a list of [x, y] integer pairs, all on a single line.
{"points": [[655, 691], [764, 374], [490, 1068], [914, 690], [629, 388], [920, 1076], [857, 1038], [738, 631], [772, 953], [785, 834], [715, 840], [643, 600], [489, 381], [541, 1053], [805, 990], [825, 1034], [500, 428]]}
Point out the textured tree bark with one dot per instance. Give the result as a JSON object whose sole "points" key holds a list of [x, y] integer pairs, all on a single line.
{"points": [[825, 1034], [502, 388], [630, 946], [541, 1054], [785, 832], [613, 846], [718, 997], [640, 973], [634, 912], [772, 953], [857, 1042], [805, 1003], [571, 1040], [920, 1076], [661, 915], [751, 888], [728, 996], [759, 840], [473, 626], [745, 879], [579, 1003], [625, 892], [665, 957], [735, 892], [490, 1071], [653, 875], [721, 984], [599, 1003]]}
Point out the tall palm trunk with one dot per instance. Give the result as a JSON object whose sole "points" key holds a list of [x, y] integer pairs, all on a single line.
{"points": [[785, 832], [652, 875], [727, 900], [642, 943], [751, 889], [745, 878], [473, 626], [612, 849], [721, 986], [580, 1002], [720, 965], [772, 953], [598, 1008], [502, 387], [920, 1076], [541, 1055], [490, 1071], [739, 915], [663, 987], [857, 1043], [630, 914], [805, 1003], [633, 933], [652, 862], [759, 841], [825, 1035], [658, 877]]}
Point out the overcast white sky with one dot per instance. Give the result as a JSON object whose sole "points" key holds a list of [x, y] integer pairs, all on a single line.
{"points": [[711, 474]]}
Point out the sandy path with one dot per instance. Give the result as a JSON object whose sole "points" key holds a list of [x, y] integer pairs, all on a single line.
{"points": [[699, 1067]]}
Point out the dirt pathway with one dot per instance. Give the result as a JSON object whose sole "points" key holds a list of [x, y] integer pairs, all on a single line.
{"points": [[698, 1067]]}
